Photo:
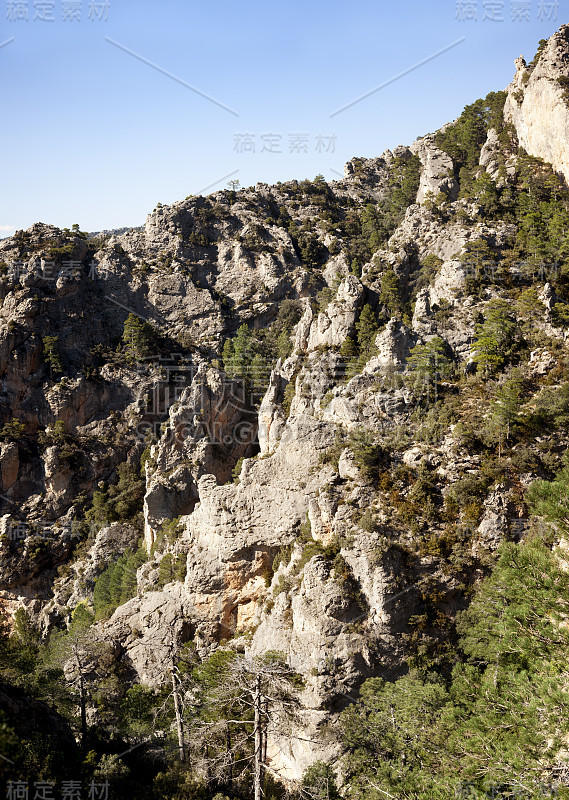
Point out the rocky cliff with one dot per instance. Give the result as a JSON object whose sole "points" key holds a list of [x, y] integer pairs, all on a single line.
{"points": [[281, 394], [538, 102]]}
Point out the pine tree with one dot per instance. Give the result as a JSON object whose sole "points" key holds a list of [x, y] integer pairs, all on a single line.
{"points": [[102, 595], [495, 337], [430, 359], [228, 354], [51, 355], [237, 353], [549, 499], [349, 355], [237, 701], [388, 731], [367, 328], [504, 412], [372, 229], [139, 339], [480, 264], [508, 718], [284, 344], [78, 650], [390, 293], [367, 453], [355, 268], [115, 583]]}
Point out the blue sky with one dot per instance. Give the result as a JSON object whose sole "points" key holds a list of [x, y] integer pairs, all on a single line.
{"points": [[92, 134]]}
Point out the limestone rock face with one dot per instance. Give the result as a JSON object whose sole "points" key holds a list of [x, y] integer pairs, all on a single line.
{"points": [[280, 534], [490, 159], [494, 524], [371, 174], [58, 475], [9, 465], [489, 154], [449, 282], [210, 427], [347, 468], [146, 628], [421, 322], [77, 585], [547, 297], [536, 105], [437, 170], [541, 361], [79, 403], [329, 630], [235, 530], [393, 345], [333, 325], [303, 330], [271, 418]]}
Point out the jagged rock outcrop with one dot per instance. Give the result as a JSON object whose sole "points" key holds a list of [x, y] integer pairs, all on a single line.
{"points": [[371, 174], [393, 344], [9, 465], [437, 170], [210, 427], [309, 520], [335, 323], [148, 629], [421, 322], [272, 421], [489, 155], [537, 105], [500, 168], [548, 298], [76, 585], [236, 529], [449, 283]]}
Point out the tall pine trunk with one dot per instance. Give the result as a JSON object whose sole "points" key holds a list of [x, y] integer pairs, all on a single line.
{"points": [[258, 739], [179, 724]]}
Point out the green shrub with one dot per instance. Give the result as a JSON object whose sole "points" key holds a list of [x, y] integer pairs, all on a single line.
{"points": [[120, 502], [318, 782], [463, 140], [12, 431], [168, 532], [496, 340], [236, 471], [139, 339], [283, 556], [367, 521], [367, 454], [51, 355], [324, 298], [563, 81], [332, 454], [117, 584], [171, 569], [288, 397]]}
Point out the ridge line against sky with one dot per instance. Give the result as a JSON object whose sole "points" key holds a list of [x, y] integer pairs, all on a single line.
{"points": [[111, 108]]}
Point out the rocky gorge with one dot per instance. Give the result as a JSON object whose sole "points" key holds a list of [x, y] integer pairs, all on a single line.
{"points": [[304, 419]]}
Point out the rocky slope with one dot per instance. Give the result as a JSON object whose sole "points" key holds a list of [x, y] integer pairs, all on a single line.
{"points": [[315, 501]]}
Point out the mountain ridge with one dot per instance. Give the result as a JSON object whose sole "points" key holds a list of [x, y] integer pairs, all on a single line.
{"points": [[298, 419]]}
